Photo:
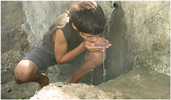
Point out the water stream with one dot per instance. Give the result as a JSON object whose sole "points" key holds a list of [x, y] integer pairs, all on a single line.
{"points": [[91, 69], [104, 70], [103, 36], [101, 44]]}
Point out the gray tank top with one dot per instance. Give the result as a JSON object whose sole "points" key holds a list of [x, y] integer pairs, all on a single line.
{"points": [[72, 37]]}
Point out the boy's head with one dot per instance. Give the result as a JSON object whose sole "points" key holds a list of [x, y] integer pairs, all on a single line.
{"points": [[87, 17]]}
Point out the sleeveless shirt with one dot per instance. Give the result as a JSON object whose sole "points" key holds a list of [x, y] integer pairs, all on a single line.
{"points": [[71, 35]]}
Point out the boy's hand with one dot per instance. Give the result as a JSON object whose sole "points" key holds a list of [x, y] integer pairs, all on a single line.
{"points": [[102, 42], [91, 46], [100, 45]]}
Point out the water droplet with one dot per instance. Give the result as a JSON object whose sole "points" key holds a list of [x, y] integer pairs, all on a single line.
{"points": [[91, 76]]}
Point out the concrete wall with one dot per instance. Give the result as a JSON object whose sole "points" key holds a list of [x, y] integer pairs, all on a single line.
{"points": [[39, 15], [148, 34], [139, 32]]}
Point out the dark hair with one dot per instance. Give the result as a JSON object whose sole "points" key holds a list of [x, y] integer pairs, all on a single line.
{"points": [[87, 16]]}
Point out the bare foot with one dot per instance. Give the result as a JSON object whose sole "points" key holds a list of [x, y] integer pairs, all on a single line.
{"points": [[44, 82]]}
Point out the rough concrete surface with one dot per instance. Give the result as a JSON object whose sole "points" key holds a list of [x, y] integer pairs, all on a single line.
{"points": [[148, 34], [133, 85]]}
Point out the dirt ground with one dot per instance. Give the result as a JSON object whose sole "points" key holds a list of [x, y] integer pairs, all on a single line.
{"points": [[14, 46]]}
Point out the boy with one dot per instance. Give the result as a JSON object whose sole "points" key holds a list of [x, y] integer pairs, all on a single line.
{"points": [[72, 36]]}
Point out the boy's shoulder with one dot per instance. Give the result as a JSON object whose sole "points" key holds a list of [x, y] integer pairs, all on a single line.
{"points": [[62, 19]]}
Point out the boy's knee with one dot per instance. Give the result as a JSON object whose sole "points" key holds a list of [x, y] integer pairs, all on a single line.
{"points": [[98, 58], [23, 71]]}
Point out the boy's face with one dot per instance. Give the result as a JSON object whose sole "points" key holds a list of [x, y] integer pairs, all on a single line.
{"points": [[86, 36], [89, 37]]}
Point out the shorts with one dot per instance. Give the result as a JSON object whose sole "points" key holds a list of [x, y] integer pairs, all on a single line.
{"points": [[45, 58]]}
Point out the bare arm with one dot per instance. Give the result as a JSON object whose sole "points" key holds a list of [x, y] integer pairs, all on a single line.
{"points": [[60, 49]]}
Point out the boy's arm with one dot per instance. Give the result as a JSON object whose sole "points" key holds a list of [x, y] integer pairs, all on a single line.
{"points": [[60, 49]]}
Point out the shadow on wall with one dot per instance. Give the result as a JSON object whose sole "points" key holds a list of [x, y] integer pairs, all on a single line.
{"points": [[117, 62]]}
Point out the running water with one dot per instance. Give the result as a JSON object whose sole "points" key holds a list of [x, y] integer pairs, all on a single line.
{"points": [[104, 70], [91, 77], [91, 70], [101, 44]]}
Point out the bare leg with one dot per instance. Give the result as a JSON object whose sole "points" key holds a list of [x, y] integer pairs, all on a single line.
{"points": [[91, 61], [27, 71]]}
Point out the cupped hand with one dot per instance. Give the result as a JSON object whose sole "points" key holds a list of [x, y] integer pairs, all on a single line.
{"points": [[91, 46], [100, 45], [102, 42]]}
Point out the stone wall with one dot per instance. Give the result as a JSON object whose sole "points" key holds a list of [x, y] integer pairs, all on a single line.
{"points": [[138, 30]]}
